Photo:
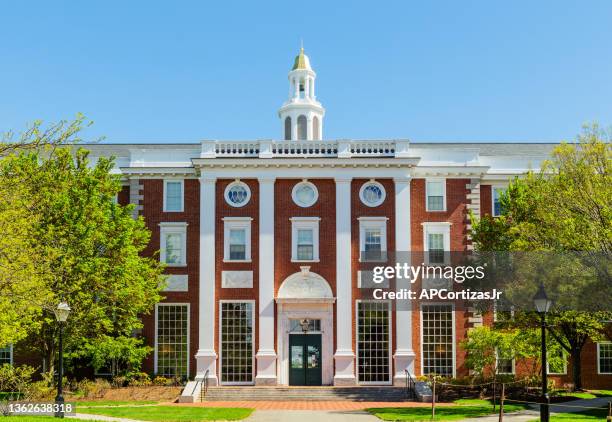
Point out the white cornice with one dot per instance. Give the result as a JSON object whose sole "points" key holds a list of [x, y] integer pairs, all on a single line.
{"points": [[156, 172], [305, 162], [449, 171]]}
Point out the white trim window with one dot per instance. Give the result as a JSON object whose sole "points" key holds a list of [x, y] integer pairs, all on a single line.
{"points": [[173, 244], [237, 331], [435, 194], [373, 342], [558, 369], [174, 195], [6, 355], [172, 339], [304, 194], [372, 193], [604, 358], [504, 364], [305, 239], [436, 242], [438, 339], [237, 239], [372, 238], [496, 206], [237, 194]]}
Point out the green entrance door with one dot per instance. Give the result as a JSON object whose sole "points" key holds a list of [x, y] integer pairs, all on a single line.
{"points": [[304, 359]]}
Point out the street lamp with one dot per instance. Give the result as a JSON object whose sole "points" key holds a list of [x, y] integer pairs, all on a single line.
{"points": [[542, 304], [61, 315]]}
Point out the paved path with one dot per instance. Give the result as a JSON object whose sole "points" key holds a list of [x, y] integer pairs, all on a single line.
{"points": [[343, 405], [522, 416], [311, 416]]}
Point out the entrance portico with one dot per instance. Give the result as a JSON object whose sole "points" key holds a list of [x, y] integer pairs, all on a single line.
{"points": [[305, 296]]}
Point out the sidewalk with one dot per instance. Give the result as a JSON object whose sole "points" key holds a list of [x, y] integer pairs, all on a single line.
{"points": [[87, 416]]}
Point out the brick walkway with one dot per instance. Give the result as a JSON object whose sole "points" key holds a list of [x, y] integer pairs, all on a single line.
{"points": [[308, 405]]}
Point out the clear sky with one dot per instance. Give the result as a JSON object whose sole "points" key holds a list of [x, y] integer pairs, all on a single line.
{"points": [[176, 71]]}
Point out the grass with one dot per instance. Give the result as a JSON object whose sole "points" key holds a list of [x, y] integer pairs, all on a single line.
{"points": [[461, 409], [106, 403], [577, 394], [34, 419], [588, 416], [171, 413]]}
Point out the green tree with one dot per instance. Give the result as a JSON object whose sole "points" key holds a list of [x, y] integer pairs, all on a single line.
{"points": [[88, 249], [565, 207]]}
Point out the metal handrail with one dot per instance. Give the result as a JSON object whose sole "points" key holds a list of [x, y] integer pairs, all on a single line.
{"points": [[204, 388], [410, 385]]}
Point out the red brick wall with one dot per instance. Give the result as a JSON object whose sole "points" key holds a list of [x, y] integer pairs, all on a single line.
{"points": [[456, 214], [358, 209], [123, 197], [153, 215], [485, 200], [223, 209]]}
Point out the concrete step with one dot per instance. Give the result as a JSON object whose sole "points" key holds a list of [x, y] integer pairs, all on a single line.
{"points": [[250, 393]]}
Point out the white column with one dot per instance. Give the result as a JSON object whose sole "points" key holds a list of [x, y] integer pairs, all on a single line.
{"points": [[344, 356], [307, 87], [312, 87], [266, 355], [404, 354], [294, 127], [309, 133], [296, 93], [206, 357]]}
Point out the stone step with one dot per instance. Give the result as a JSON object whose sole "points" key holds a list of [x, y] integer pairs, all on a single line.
{"points": [[249, 393]]}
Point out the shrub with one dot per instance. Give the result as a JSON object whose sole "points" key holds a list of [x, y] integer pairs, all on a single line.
{"points": [[140, 379], [15, 378], [119, 381], [92, 389], [162, 381]]}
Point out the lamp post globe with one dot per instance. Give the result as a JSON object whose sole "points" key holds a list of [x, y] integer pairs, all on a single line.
{"points": [[61, 315], [542, 305]]}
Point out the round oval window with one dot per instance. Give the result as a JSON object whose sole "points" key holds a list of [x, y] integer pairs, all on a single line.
{"points": [[237, 194], [305, 194], [372, 194]]}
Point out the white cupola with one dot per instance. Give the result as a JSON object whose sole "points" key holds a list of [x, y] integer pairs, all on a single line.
{"points": [[302, 115]]}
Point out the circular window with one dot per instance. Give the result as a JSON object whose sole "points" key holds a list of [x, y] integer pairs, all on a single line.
{"points": [[237, 194], [372, 194], [305, 194]]}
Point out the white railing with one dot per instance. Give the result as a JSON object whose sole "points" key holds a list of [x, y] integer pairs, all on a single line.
{"points": [[292, 149]]}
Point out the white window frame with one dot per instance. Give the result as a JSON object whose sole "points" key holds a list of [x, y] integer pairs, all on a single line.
{"points": [[391, 363], [497, 366], [253, 337], [382, 189], [300, 223], [237, 182], [440, 180], [294, 193], [155, 355], [599, 358], [182, 182], [373, 223], [232, 223], [453, 343], [10, 354], [565, 357], [493, 188], [436, 228], [173, 228]]}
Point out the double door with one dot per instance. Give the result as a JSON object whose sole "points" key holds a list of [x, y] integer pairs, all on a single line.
{"points": [[305, 359]]}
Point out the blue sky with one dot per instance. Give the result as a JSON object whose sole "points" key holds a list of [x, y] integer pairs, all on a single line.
{"points": [[428, 71]]}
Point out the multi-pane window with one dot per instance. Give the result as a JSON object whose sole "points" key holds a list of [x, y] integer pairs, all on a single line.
{"points": [[435, 195], [505, 364], [237, 239], [237, 342], [305, 238], [604, 358], [497, 206], [435, 248], [373, 342], [173, 239], [172, 340], [297, 325], [237, 244], [6, 355], [557, 363], [173, 195], [437, 341], [372, 238], [305, 244]]}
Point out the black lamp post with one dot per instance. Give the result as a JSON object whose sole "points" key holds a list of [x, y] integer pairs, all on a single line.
{"points": [[61, 315], [542, 304]]}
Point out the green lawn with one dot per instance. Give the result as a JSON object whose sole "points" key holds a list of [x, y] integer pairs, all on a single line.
{"points": [[588, 416], [170, 413], [461, 409], [34, 419], [98, 403]]}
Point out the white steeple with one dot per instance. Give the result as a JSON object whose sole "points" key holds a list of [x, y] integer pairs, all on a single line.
{"points": [[302, 115]]}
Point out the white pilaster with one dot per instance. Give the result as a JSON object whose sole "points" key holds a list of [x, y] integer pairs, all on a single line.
{"points": [[344, 356], [206, 357], [404, 354], [266, 355], [309, 133]]}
